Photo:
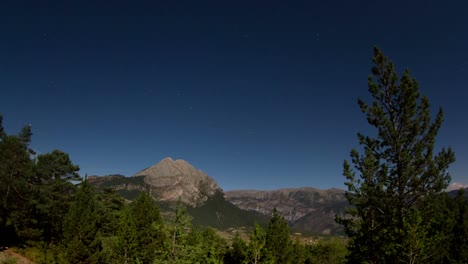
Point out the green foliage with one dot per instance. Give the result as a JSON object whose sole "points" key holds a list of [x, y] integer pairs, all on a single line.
{"points": [[457, 214], [328, 251], [35, 192], [52, 196], [399, 173], [216, 212], [208, 247], [278, 241], [43, 252], [180, 249], [149, 227], [213, 246], [140, 235], [80, 227], [256, 248], [16, 168], [238, 252], [110, 205], [298, 252], [9, 260]]}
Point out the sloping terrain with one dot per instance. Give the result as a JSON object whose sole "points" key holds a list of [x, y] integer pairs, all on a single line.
{"points": [[10, 256], [306, 209], [204, 198], [127, 187], [218, 213]]}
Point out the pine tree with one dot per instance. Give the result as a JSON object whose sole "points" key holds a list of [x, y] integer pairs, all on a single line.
{"points": [[211, 247], [80, 227], [149, 228], [16, 171], [110, 207], [399, 172], [238, 251], [52, 192], [278, 240], [35, 191], [127, 244]]}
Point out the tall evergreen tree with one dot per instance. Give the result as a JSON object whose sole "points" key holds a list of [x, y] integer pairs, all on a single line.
{"points": [[110, 208], [149, 228], [238, 252], [278, 240], [53, 191], [127, 246], [80, 227], [16, 171], [35, 191], [398, 172]]}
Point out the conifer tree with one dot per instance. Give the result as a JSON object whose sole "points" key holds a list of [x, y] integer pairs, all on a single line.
{"points": [[399, 173], [149, 228], [80, 227], [278, 241], [126, 248], [53, 191], [110, 208], [15, 172], [238, 252], [209, 247], [35, 191]]}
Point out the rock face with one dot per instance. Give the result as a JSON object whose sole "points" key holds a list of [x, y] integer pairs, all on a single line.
{"points": [[127, 187], [171, 179], [306, 209]]}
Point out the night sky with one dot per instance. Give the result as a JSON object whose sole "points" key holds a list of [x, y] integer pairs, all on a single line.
{"points": [[258, 94]]}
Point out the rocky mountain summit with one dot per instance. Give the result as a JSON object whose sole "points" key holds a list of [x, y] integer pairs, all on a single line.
{"points": [[171, 179]]}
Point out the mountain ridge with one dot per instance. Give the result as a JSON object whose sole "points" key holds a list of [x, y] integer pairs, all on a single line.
{"points": [[307, 209]]}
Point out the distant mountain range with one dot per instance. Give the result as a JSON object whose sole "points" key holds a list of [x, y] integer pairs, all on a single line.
{"points": [[308, 210]]}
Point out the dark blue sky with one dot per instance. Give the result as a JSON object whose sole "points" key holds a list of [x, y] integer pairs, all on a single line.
{"points": [[258, 94]]}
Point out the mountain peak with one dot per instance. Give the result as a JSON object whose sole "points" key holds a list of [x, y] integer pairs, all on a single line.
{"points": [[169, 167], [167, 159], [172, 179]]}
